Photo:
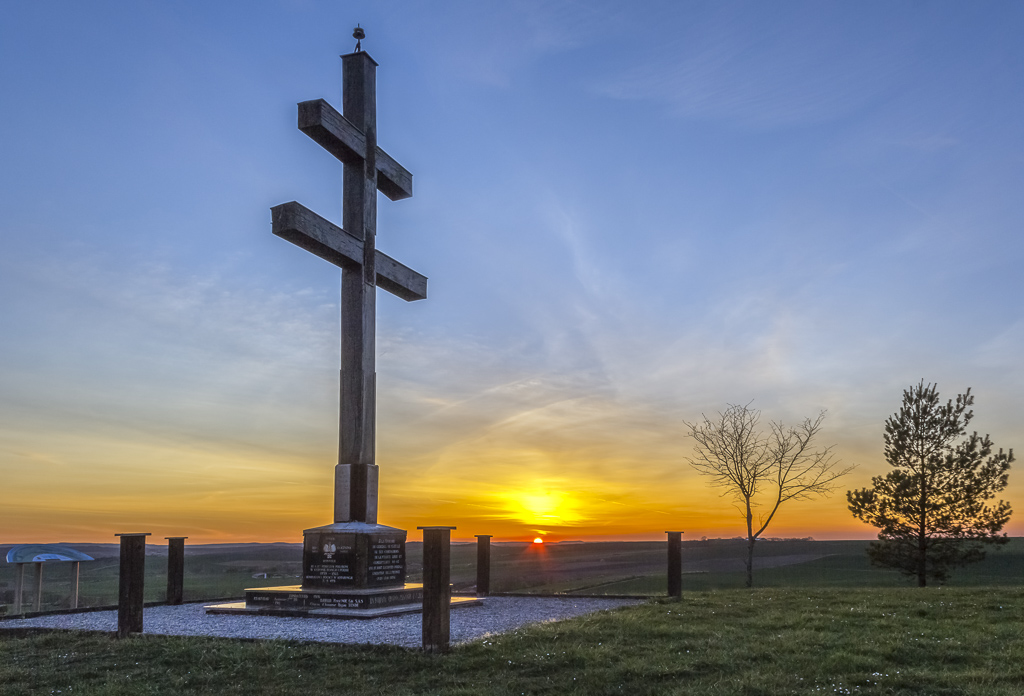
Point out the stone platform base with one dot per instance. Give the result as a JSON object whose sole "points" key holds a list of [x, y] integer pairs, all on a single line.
{"points": [[295, 600]]}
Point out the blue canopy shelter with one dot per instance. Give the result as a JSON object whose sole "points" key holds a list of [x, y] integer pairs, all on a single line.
{"points": [[38, 554]]}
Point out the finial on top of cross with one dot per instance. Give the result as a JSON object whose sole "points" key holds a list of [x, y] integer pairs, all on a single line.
{"points": [[358, 34]]}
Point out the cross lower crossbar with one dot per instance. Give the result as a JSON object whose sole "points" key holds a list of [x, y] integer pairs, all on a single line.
{"points": [[302, 227], [336, 134]]}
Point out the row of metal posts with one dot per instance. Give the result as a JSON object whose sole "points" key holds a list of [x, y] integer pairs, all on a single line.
{"points": [[437, 591], [437, 575], [483, 564], [132, 576]]}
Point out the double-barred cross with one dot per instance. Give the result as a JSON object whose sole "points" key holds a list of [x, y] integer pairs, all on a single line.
{"points": [[352, 138]]}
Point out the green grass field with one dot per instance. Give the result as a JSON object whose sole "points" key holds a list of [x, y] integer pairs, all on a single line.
{"points": [[931, 642], [590, 568]]}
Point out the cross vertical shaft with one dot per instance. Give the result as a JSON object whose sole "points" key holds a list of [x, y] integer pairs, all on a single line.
{"points": [[352, 138], [358, 304]]}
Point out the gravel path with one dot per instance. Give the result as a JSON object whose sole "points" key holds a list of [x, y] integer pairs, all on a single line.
{"points": [[496, 615]]}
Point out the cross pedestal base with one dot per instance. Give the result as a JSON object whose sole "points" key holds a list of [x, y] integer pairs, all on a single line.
{"points": [[350, 570]]}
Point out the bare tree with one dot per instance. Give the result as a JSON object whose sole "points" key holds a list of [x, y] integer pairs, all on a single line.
{"points": [[762, 470]]}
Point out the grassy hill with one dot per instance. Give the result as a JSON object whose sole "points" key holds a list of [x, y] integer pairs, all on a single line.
{"points": [[767, 642]]}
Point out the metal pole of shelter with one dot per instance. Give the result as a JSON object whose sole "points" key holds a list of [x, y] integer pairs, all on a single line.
{"points": [[19, 586], [74, 584], [37, 600]]}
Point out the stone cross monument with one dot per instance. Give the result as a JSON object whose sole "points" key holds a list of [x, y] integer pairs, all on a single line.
{"points": [[352, 138], [353, 565]]}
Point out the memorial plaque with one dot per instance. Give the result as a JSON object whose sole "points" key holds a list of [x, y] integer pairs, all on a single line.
{"points": [[298, 598], [353, 555], [387, 560], [329, 560]]}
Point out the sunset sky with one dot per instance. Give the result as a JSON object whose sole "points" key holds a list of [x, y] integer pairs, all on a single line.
{"points": [[629, 213]]}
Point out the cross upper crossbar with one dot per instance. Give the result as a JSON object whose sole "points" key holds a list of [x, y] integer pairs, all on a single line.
{"points": [[336, 134], [302, 227]]}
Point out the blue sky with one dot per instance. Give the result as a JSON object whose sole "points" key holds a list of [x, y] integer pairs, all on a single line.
{"points": [[630, 214]]}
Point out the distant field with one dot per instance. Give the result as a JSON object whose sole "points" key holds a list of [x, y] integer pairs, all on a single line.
{"points": [[223, 571], [639, 567]]}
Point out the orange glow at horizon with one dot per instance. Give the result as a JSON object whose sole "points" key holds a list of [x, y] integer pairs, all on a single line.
{"points": [[85, 486]]}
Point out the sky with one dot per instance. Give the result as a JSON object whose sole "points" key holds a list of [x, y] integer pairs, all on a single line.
{"points": [[630, 214]]}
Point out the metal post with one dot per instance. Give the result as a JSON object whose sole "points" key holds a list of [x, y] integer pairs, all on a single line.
{"points": [[74, 584], [675, 564], [175, 569], [483, 565], [19, 587], [131, 583], [437, 590], [37, 602]]}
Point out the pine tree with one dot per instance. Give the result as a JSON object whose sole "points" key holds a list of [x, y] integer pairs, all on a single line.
{"points": [[931, 509]]}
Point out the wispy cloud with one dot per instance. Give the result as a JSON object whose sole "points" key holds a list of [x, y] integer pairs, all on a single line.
{"points": [[603, 267], [492, 44], [755, 69]]}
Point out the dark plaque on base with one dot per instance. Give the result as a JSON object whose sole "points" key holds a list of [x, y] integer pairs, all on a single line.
{"points": [[353, 554]]}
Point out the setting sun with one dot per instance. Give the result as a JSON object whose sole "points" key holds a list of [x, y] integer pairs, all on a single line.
{"points": [[538, 540]]}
